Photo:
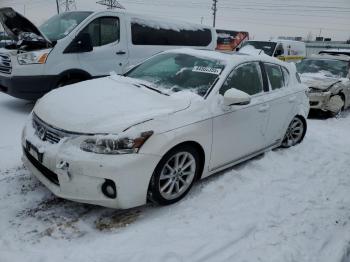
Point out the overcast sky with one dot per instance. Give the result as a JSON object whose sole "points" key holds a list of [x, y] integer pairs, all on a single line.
{"points": [[261, 18]]}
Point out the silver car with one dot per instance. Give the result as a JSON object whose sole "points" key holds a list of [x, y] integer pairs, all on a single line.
{"points": [[327, 77]]}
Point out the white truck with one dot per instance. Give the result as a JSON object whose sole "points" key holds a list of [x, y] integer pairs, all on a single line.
{"points": [[81, 45], [285, 50]]}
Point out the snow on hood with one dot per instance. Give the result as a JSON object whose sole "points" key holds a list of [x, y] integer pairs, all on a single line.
{"points": [[106, 105], [318, 80]]}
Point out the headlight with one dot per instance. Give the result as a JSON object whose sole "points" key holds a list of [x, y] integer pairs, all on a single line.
{"points": [[317, 90], [36, 57], [114, 146]]}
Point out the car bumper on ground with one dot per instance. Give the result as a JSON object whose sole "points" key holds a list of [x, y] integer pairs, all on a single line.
{"points": [[319, 100], [83, 174], [27, 87]]}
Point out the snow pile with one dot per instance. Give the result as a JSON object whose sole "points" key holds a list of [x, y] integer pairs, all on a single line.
{"points": [[251, 50], [288, 205]]}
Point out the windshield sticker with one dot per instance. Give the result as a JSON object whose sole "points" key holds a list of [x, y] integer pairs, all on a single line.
{"points": [[209, 70]]}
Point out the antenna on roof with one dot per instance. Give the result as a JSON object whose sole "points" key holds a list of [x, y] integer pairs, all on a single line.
{"points": [[111, 4], [65, 5]]}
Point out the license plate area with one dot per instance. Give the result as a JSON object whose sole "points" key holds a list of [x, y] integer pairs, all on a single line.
{"points": [[34, 152]]}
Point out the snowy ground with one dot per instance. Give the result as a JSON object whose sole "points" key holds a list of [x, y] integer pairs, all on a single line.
{"points": [[285, 206]]}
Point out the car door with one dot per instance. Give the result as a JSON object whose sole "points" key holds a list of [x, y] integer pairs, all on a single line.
{"points": [[109, 46], [281, 99], [238, 131]]}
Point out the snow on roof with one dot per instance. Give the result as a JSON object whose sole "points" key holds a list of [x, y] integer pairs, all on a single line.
{"points": [[227, 58], [162, 23], [337, 50]]}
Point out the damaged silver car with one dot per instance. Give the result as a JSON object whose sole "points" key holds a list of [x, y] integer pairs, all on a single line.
{"points": [[328, 80]]}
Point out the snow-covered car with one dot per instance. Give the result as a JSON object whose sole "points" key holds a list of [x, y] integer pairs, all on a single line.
{"points": [[179, 116], [327, 77]]}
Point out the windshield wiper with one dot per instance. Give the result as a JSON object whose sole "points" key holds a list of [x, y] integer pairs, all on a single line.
{"points": [[154, 89]]}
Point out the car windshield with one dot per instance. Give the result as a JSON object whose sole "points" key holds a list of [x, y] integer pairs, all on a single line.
{"points": [[267, 47], [328, 67], [177, 72], [59, 26]]}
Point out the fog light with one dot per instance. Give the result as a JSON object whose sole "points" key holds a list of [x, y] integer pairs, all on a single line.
{"points": [[109, 189]]}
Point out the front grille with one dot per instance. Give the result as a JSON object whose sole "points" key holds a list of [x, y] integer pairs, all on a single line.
{"points": [[48, 133], [5, 64], [51, 176]]}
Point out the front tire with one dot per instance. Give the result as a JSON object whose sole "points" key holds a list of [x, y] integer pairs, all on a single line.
{"points": [[295, 132], [174, 175]]}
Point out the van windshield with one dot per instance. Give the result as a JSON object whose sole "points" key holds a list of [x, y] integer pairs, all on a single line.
{"points": [[266, 46], [59, 26]]}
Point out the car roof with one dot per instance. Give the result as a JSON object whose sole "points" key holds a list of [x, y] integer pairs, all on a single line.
{"points": [[336, 52], [329, 56], [228, 58]]}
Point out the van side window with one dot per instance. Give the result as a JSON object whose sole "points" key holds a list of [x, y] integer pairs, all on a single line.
{"points": [[274, 75], [103, 31], [246, 77], [279, 51], [143, 34]]}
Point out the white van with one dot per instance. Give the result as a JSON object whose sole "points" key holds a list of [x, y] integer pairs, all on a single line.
{"points": [[285, 50], [77, 46]]}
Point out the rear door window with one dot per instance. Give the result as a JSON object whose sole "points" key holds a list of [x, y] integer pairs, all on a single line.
{"points": [[275, 76]]}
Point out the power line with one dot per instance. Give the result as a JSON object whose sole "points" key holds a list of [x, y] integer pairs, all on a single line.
{"points": [[65, 5], [111, 4]]}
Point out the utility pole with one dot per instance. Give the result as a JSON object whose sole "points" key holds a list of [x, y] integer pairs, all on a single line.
{"points": [[111, 4], [58, 7], [65, 5], [215, 9]]}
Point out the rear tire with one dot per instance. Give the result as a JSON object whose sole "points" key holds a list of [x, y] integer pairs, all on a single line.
{"points": [[174, 176], [295, 132]]}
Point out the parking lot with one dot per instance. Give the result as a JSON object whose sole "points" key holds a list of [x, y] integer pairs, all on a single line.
{"points": [[286, 205]]}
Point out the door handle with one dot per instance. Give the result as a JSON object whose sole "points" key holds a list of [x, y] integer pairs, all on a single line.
{"points": [[291, 99], [264, 108], [121, 52]]}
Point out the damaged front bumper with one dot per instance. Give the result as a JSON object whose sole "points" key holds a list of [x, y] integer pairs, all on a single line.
{"points": [[319, 100], [81, 176]]}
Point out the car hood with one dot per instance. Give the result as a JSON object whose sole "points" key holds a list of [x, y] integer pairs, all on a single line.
{"points": [[105, 105], [20, 28], [318, 81]]}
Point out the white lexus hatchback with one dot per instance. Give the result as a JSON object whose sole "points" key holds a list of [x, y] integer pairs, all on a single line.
{"points": [[178, 117]]}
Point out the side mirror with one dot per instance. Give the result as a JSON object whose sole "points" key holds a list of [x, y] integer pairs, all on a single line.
{"points": [[234, 96], [81, 44]]}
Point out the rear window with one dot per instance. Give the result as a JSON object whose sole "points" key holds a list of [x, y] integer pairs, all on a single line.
{"points": [[275, 76], [144, 34]]}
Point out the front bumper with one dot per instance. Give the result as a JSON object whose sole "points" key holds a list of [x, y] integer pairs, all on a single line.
{"points": [[319, 100], [83, 179], [27, 87]]}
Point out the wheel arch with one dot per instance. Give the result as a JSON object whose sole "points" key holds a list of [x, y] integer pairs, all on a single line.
{"points": [[73, 74], [303, 119], [193, 144]]}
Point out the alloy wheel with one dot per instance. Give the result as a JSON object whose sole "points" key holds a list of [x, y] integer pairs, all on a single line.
{"points": [[295, 133], [177, 175]]}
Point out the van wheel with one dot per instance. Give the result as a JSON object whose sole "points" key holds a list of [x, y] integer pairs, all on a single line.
{"points": [[295, 133], [69, 81], [174, 175]]}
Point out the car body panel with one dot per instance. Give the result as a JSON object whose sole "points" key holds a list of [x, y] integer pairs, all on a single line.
{"points": [[227, 135]]}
